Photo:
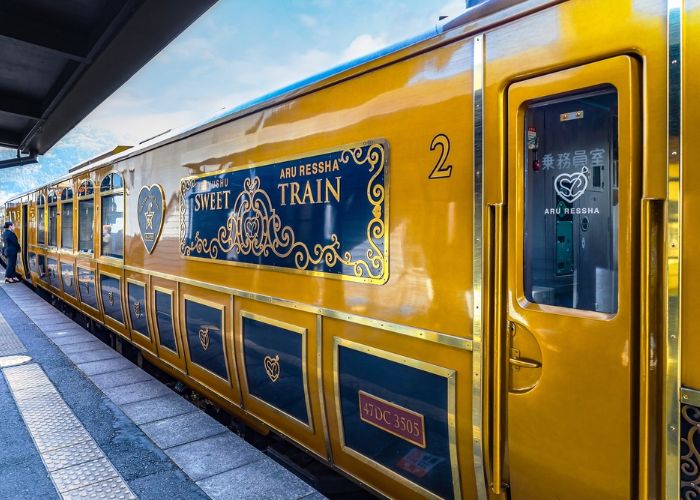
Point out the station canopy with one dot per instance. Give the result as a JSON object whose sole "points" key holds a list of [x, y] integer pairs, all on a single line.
{"points": [[59, 59]]}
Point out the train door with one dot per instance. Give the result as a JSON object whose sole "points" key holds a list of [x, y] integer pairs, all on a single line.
{"points": [[25, 240], [572, 282]]}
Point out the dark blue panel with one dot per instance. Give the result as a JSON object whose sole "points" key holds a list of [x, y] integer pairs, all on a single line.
{"points": [[205, 337], [324, 213], [137, 309], [273, 364], [111, 297], [164, 320], [86, 282], [43, 274], [52, 272], [410, 388], [68, 279]]}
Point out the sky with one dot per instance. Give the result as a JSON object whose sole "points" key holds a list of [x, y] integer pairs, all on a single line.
{"points": [[237, 51]]}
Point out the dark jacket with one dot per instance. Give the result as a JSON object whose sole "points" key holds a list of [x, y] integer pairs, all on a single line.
{"points": [[9, 238]]}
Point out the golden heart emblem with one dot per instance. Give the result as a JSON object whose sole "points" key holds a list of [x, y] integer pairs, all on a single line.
{"points": [[204, 338], [272, 367]]}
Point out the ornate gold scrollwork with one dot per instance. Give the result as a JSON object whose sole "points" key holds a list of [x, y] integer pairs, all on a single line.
{"points": [[272, 367], [110, 297], [690, 453], [204, 337], [137, 310], [254, 227]]}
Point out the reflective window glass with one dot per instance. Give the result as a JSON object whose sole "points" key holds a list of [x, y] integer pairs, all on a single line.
{"points": [[571, 202], [113, 225], [86, 211], [41, 224], [53, 225], [67, 225]]}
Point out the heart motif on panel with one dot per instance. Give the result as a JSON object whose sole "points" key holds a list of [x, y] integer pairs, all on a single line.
{"points": [[150, 211], [570, 187], [204, 338], [272, 367]]}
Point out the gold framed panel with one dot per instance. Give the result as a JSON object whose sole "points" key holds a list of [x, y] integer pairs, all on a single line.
{"points": [[56, 290], [401, 329], [141, 339], [447, 373], [77, 199], [308, 426], [174, 359], [227, 389], [384, 223], [118, 326], [69, 259], [162, 223], [84, 307]]}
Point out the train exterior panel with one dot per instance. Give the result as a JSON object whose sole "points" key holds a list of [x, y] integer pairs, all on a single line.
{"points": [[451, 270]]}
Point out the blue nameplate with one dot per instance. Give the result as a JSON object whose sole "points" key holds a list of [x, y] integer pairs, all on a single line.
{"points": [[323, 214]]}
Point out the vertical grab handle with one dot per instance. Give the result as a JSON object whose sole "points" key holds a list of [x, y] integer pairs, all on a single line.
{"points": [[497, 335], [650, 321]]}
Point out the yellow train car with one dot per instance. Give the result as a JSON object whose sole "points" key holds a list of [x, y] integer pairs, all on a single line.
{"points": [[460, 268]]}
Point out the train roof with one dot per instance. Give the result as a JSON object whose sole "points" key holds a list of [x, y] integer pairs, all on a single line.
{"points": [[473, 20]]}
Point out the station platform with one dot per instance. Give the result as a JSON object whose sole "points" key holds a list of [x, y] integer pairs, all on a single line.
{"points": [[78, 420]]}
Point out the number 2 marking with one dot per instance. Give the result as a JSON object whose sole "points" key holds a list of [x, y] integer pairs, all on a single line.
{"points": [[440, 170]]}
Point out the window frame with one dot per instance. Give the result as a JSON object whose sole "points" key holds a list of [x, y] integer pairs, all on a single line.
{"points": [[111, 191], [52, 201], [41, 219], [89, 196], [65, 200]]}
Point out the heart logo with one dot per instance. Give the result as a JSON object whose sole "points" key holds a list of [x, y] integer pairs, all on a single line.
{"points": [[204, 338], [251, 227], [272, 367], [150, 210], [570, 187]]}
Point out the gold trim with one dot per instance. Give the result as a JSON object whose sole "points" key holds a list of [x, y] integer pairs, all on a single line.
{"points": [[690, 396], [171, 293], [409, 331], [422, 444], [477, 269], [304, 366], [143, 284], [148, 187], [382, 223], [447, 373], [320, 383], [121, 300], [671, 417], [188, 357]]}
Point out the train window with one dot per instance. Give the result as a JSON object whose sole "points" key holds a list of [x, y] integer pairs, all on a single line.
{"points": [[112, 223], [67, 219], [571, 201], [53, 219], [86, 213], [40, 220]]}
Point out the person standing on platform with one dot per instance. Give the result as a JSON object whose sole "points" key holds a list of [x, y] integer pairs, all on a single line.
{"points": [[9, 238]]}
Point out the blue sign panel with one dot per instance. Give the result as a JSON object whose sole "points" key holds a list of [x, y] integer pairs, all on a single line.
{"points": [[205, 337], [274, 365], [323, 214], [164, 320], [151, 206], [111, 297], [137, 309], [376, 397]]}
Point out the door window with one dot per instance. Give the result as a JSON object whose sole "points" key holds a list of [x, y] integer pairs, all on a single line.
{"points": [[571, 201]]}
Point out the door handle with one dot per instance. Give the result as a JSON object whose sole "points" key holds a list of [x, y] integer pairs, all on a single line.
{"points": [[519, 362]]}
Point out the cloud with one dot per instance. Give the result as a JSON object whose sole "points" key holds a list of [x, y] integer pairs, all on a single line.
{"points": [[308, 21], [363, 45]]}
